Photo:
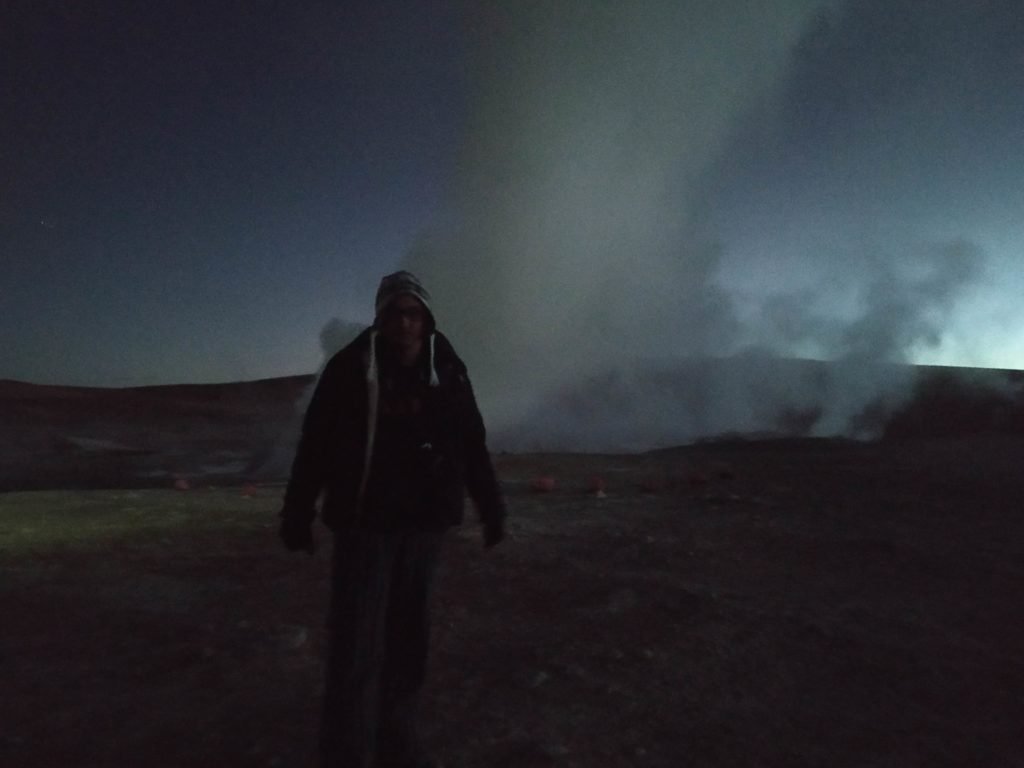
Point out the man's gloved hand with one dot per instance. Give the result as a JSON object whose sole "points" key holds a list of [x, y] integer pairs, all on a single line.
{"points": [[297, 534], [494, 532]]}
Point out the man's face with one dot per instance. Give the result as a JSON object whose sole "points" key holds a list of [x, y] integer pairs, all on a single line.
{"points": [[404, 323]]}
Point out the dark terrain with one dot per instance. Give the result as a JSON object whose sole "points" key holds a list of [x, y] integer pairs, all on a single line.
{"points": [[789, 602], [144, 437]]}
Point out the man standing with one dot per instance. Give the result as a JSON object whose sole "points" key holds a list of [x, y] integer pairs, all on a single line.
{"points": [[393, 439]]}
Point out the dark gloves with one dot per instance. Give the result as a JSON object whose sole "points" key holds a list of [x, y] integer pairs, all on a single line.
{"points": [[494, 532], [297, 534]]}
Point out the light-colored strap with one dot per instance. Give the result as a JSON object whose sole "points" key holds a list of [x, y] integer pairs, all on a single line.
{"points": [[434, 381], [373, 400]]}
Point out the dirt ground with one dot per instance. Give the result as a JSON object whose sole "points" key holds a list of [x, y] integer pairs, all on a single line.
{"points": [[789, 603]]}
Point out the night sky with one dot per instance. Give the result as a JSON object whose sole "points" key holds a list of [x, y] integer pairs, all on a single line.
{"points": [[191, 191]]}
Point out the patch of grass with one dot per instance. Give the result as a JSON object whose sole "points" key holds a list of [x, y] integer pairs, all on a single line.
{"points": [[59, 521]]}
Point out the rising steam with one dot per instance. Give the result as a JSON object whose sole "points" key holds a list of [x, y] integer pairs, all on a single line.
{"points": [[570, 272]]}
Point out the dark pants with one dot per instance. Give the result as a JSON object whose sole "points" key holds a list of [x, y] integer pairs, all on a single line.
{"points": [[379, 627]]}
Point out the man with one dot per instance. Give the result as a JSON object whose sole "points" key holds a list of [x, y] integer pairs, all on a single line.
{"points": [[393, 439]]}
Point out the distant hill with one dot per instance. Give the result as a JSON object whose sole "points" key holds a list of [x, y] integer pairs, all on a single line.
{"points": [[91, 437], [88, 437], [653, 405], [953, 402]]}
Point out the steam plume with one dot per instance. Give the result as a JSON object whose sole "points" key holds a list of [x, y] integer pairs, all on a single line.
{"points": [[571, 252], [570, 244]]}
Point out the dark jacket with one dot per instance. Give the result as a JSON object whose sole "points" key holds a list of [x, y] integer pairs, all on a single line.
{"points": [[422, 485]]}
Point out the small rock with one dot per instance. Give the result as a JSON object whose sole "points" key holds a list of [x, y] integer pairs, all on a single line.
{"points": [[724, 471], [552, 749], [621, 600], [577, 671], [653, 484], [697, 479], [293, 638], [539, 679]]}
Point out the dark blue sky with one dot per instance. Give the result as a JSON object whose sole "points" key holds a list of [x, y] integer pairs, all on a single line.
{"points": [[190, 191]]}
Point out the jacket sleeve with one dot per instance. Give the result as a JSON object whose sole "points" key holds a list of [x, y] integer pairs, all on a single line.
{"points": [[481, 480], [312, 456]]}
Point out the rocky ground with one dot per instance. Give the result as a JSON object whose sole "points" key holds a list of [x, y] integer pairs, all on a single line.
{"points": [[786, 603]]}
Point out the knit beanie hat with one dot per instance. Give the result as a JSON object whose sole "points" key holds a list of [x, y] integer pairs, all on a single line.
{"points": [[391, 287], [396, 284]]}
